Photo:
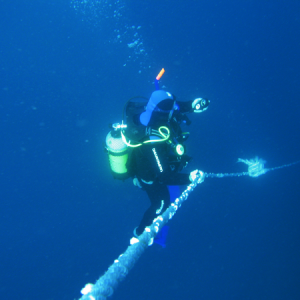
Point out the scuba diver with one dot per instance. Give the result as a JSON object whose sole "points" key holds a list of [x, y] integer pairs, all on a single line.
{"points": [[157, 163], [149, 147]]}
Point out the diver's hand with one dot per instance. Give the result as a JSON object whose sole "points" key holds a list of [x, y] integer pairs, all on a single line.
{"points": [[136, 182], [200, 104], [197, 175]]}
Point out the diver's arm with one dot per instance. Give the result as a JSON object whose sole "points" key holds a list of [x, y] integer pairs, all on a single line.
{"points": [[175, 179], [185, 106]]}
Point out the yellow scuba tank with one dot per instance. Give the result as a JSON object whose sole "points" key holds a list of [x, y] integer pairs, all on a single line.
{"points": [[117, 153]]}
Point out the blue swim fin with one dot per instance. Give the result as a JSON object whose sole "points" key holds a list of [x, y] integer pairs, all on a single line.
{"points": [[161, 237]]}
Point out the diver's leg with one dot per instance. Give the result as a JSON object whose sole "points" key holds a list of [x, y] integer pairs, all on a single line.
{"points": [[160, 200]]}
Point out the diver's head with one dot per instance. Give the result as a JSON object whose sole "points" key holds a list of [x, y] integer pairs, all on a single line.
{"points": [[159, 109]]}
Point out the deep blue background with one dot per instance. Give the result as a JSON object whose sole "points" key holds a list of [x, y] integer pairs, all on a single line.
{"points": [[63, 217]]}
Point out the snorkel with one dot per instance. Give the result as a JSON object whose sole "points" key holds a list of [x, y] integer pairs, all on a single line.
{"points": [[160, 74]]}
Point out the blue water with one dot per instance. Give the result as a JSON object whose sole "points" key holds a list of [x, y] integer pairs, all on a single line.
{"points": [[65, 76]]}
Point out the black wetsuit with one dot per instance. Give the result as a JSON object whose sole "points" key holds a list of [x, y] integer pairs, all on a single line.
{"points": [[156, 167]]}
